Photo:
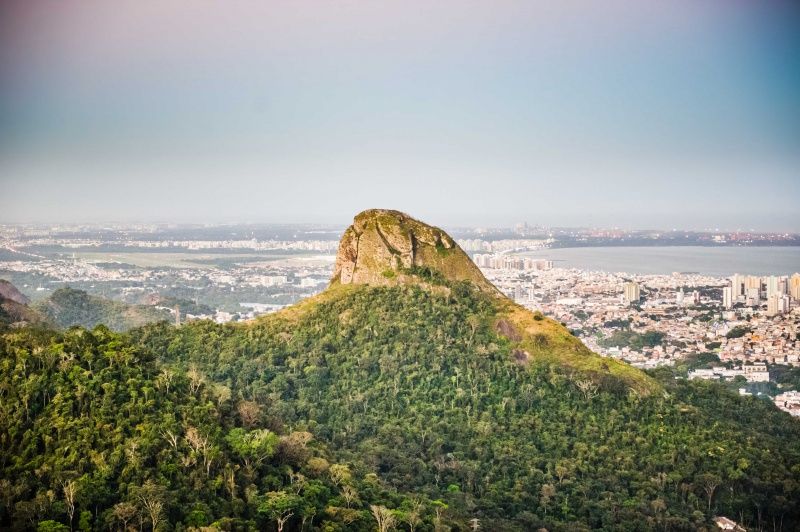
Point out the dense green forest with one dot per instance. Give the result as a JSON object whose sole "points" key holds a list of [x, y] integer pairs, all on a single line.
{"points": [[386, 408], [632, 339], [67, 307]]}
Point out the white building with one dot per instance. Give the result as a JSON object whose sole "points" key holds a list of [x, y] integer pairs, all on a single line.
{"points": [[776, 286], [789, 402], [777, 304], [631, 293], [737, 285], [753, 373], [756, 372], [727, 297]]}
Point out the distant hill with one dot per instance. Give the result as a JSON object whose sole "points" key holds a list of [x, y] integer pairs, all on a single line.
{"points": [[10, 292], [67, 307], [390, 248], [14, 309], [409, 395], [186, 306]]}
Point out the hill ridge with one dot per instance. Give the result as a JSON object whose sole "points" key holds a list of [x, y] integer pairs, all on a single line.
{"points": [[376, 252]]}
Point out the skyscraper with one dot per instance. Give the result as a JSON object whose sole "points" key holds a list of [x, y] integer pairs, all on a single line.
{"points": [[772, 305], [631, 293], [752, 282], [775, 286], [753, 296], [737, 285], [777, 304], [727, 297], [784, 304], [794, 286]]}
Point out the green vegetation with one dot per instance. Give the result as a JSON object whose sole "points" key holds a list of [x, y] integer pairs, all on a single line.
{"points": [[706, 317], [67, 307], [426, 274], [787, 378], [737, 332], [618, 323], [14, 307], [186, 306], [375, 406], [696, 361], [12, 312], [634, 340], [442, 250]]}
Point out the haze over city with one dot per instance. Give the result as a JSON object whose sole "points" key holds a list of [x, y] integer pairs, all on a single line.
{"points": [[676, 114]]}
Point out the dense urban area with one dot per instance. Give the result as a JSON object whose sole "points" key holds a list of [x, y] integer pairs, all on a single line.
{"points": [[743, 330]]}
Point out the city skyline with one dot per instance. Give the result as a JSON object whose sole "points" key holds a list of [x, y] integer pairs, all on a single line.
{"points": [[714, 235], [682, 115]]}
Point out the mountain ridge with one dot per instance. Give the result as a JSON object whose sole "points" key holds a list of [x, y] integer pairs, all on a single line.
{"points": [[15, 307], [67, 307], [12, 293]]}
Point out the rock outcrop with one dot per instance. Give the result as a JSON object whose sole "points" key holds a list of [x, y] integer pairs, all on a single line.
{"points": [[14, 309], [9, 291], [386, 247]]}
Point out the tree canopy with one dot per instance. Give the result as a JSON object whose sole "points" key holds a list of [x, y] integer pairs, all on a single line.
{"points": [[381, 408]]}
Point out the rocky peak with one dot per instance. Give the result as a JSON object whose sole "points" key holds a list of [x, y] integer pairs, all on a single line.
{"points": [[9, 291], [385, 247]]}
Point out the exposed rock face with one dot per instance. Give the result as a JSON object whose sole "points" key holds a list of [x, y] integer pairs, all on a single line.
{"points": [[385, 247], [9, 291], [14, 306]]}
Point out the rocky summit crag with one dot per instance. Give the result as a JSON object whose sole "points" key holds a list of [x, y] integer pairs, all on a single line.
{"points": [[387, 247]]}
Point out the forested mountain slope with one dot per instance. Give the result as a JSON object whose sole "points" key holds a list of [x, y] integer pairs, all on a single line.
{"points": [[14, 309], [405, 396], [11, 292], [67, 307]]}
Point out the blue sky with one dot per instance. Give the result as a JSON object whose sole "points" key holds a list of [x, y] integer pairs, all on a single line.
{"points": [[638, 114]]}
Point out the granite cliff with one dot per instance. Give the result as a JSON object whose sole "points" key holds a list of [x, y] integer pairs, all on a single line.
{"points": [[386, 247]]}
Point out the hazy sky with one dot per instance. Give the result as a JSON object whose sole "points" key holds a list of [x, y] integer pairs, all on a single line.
{"points": [[632, 113]]}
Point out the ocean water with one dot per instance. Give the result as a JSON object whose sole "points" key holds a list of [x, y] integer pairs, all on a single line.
{"points": [[716, 261]]}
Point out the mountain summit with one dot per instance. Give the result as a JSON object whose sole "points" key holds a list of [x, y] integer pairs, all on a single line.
{"points": [[387, 247]]}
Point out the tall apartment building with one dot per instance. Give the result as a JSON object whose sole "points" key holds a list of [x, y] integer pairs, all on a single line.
{"points": [[777, 304], [737, 285], [794, 286], [776, 286], [727, 296], [752, 282], [631, 293]]}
